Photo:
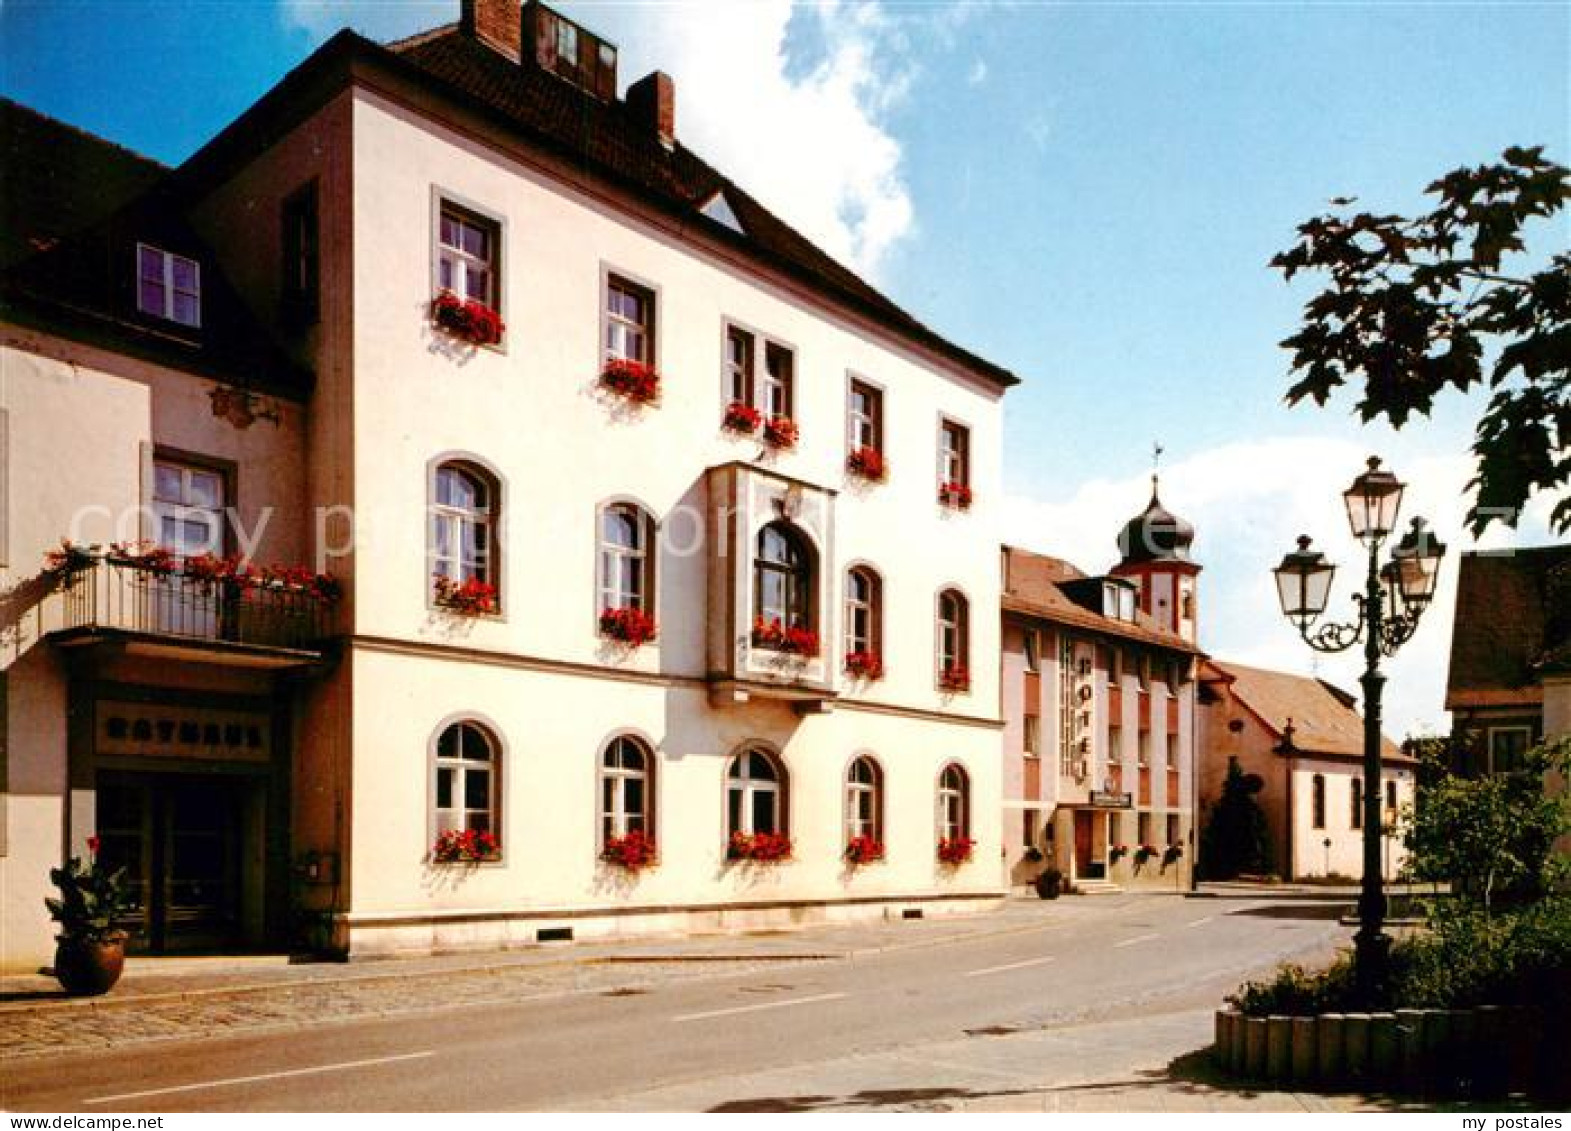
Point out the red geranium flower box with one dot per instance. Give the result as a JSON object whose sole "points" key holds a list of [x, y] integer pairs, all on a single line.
{"points": [[466, 318], [775, 637], [464, 847], [760, 848], [955, 850], [780, 432], [955, 495], [869, 463], [955, 677], [472, 598], [864, 665], [631, 379], [634, 852], [741, 418], [864, 850], [630, 626]]}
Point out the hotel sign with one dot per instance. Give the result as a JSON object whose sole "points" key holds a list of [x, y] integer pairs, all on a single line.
{"points": [[1105, 799]]}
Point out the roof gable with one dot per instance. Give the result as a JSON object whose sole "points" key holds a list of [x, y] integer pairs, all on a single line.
{"points": [[1512, 622], [1324, 717]]}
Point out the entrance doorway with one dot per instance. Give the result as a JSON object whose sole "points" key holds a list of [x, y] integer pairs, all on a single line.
{"points": [[180, 838], [1085, 847]]}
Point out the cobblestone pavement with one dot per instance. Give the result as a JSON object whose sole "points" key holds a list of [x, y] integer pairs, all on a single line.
{"points": [[111, 1022]]}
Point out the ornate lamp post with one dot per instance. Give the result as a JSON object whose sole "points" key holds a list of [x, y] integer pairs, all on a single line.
{"points": [[1394, 598]]}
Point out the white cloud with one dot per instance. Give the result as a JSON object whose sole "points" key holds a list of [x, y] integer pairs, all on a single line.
{"points": [[1248, 501]]}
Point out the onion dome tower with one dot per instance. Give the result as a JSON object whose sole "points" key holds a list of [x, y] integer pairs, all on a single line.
{"points": [[1154, 553]]}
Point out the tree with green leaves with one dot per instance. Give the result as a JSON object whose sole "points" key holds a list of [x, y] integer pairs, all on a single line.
{"points": [[1237, 840], [1414, 304]]}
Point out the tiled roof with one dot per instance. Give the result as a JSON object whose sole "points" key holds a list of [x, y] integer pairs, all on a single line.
{"points": [[1034, 587], [71, 269], [604, 138], [1512, 620], [1324, 718]]}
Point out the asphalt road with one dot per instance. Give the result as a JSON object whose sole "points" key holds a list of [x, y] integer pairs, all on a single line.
{"points": [[697, 1039]]}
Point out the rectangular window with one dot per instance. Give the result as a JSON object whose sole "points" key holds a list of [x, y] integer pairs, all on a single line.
{"points": [[169, 286], [865, 417], [1390, 800], [1143, 828], [1033, 650], [301, 297], [1033, 736], [188, 505], [1143, 749], [468, 255], [1507, 748], [739, 365], [776, 381], [1028, 828], [1115, 745], [1172, 828], [954, 454], [629, 322], [1356, 808]]}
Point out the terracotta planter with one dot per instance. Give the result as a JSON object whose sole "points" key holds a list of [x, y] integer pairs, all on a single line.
{"points": [[89, 968]]}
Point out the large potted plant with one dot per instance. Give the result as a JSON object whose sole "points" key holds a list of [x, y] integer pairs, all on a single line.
{"points": [[90, 955]]}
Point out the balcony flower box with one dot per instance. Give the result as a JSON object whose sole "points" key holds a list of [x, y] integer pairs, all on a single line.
{"points": [[633, 852], [471, 598], [632, 627], [68, 558], [955, 496], [144, 555], [955, 679], [759, 848], [772, 636], [741, 418], [868, 463], [863, 850], [467, 846], [211, 570], [631, 380], [864, 665], [781, 432], [468, 319], [954, 851]]}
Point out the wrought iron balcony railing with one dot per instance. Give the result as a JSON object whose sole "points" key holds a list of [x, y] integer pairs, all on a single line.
{"points": [[123, 595]]}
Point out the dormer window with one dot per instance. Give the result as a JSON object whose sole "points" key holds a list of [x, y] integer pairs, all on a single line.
{"points": [[1118, 602], [168, 286]]}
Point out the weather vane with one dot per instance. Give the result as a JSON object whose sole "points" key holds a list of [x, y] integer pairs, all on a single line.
{"points": [[1156, 464]]}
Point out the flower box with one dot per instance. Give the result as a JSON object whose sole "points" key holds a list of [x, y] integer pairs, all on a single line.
{"points": [[864, 665], [632, 627], [469, 846], [863, 850], [1145, 852], [1117, 852], [472, 598], [69, 558], [631, 379], [869, 463], [145, 555], [955, 678], [633, 852], [1174, 852], [741, 418], [759, 848], [954, 851], [775, 637], [466, 318], [780, 432], [956, 496]]}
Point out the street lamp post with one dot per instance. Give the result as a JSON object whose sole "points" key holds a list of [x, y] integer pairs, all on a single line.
{"points": [[1394, 598]]}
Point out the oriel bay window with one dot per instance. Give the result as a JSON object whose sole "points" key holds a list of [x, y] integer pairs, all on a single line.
{"points": [[783, 580], [755, 794], [466, 794], [626, 780]]}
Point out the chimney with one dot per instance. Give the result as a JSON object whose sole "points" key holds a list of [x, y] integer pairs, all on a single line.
{"points": [[652, 103], [494, 22]]}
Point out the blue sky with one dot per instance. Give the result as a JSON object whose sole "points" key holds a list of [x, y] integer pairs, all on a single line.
{"points": [[1086, 193]]}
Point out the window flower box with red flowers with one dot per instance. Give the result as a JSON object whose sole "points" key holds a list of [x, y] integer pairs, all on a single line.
{"points": [[633, 852], [1117, 852], [471, 598], [467, 846], [863, 850], [869, 463], [144, 555], [772, 636], [864, 665], [1144, 852], [1174, 853], [468, 319], [631, 380], [955, 496], [68, 558], [741, 418], [759, 848], [632, 627], [955, 851], [781, 432], [955, 678], [210, 570]]}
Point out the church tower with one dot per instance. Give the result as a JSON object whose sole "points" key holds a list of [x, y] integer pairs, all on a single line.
{"points": [[1154, 554]]}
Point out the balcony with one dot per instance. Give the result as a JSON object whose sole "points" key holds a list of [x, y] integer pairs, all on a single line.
{"points": [[157, 611]]}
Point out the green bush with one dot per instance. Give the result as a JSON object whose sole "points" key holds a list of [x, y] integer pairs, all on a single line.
{"points": [[1295, 991]]}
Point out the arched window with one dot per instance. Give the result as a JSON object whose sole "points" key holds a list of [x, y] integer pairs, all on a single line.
{"points": [[626, 558], [1317, 802], [783, 577], [864, 612], [864, 800], [1356, 816], [464, 513], [468, 769], [954, 803], [626, 788], [954, 631], [755, 794]]}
